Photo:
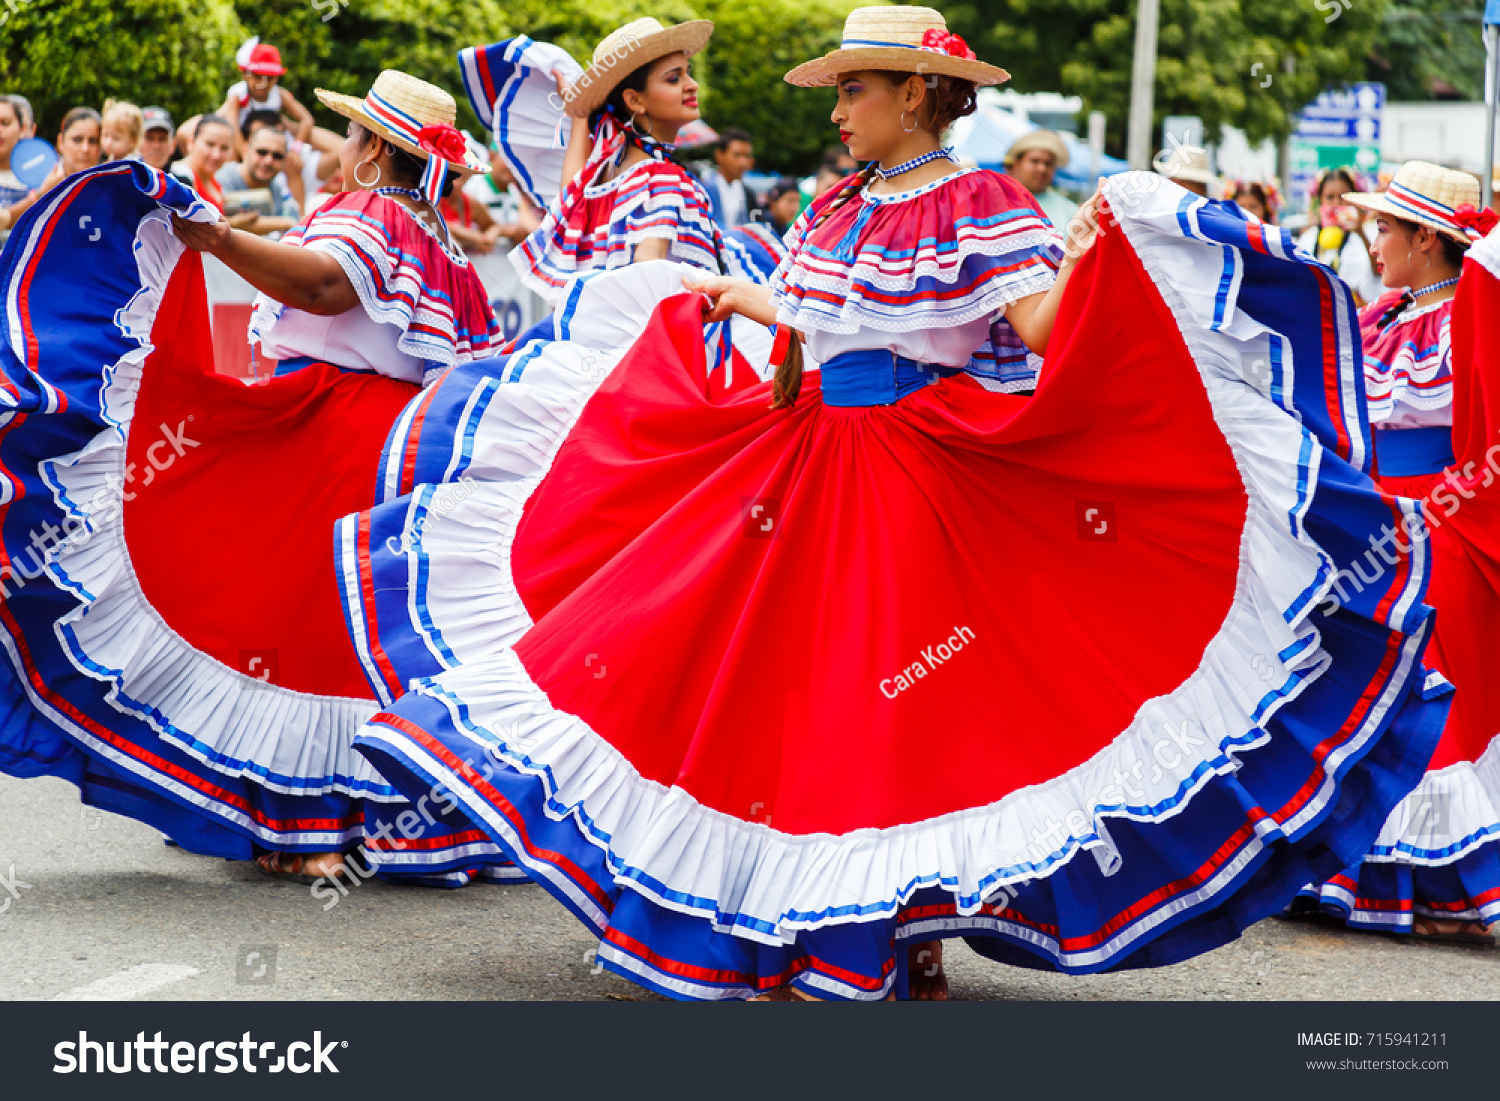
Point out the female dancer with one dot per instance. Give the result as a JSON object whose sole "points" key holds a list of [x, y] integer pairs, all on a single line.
{"points": [[1434, 871], [902, 658], [1419, 250], [614, 197], [175, 640]]}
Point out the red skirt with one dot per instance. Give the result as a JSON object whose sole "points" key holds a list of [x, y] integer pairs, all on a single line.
{"points": [[1056, 673]]}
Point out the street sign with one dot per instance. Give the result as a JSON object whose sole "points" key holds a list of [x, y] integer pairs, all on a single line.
{"points": [[1355, 99], [1340, 128], [1363, 130]]}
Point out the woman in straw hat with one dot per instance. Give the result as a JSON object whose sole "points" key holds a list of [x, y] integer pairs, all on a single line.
{"points": [[616, 197], [182, 655], [793, 682], [1423, 224], [1434, 872]]}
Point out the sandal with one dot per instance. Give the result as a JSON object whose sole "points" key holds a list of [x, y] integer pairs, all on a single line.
{"points": [[292, 866], [787, 993], [1438, 931]]}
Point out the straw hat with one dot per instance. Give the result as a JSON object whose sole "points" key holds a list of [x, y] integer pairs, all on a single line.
{"points": [[624, 51], [398, 107], [1186, 162], [897, 38], [1049, 141], [1428, 195]]}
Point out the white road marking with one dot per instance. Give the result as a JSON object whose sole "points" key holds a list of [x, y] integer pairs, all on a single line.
{"points": [[143, 978]]}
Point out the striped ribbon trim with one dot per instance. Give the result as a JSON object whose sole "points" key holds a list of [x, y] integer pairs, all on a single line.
{"points": [[1415, 202], [435, 175], [856, 43]]}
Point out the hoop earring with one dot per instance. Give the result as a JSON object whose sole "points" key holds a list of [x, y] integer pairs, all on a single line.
{"points": [[912, 129], [363, 183], [1413, 268], [646, 133]]}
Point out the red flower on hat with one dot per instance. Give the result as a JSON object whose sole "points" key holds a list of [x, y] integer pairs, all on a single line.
{"points": [[444, 141], [946, 43], [1475, 221]]}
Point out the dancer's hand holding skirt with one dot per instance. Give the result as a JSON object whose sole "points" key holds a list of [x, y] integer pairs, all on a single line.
{"points": [[171, 620]]}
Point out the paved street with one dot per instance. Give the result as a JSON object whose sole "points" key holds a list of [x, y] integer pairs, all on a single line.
{"points": [[112, 912]]}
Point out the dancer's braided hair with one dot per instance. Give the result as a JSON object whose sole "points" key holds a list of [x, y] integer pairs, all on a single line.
{"points": [[948, 99], [787, 382]]}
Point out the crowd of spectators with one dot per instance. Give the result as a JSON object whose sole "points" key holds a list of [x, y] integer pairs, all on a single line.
{"points": [[260, 158]]}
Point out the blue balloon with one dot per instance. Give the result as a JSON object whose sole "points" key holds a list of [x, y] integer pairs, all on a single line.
{"points": [[31, 160]]}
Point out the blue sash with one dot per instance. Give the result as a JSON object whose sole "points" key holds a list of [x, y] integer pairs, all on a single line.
{"points": [[1411, 452], [876, 376]]}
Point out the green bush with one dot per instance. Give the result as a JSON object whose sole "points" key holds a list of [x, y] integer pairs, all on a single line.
{"points": [[578, 25], [1213, 57], [343, 49], [62, 54], [180, 53], [741, 68], [753, 47]]}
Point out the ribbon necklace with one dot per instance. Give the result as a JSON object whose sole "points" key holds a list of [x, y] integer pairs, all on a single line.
{"points": [[915, 162], [1409, 298]]}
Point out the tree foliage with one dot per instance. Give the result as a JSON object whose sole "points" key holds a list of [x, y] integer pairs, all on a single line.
{"points": [[64, 53], [180, 53], [753, 47], [1423, 43], [1214, 57], [344, 49]]}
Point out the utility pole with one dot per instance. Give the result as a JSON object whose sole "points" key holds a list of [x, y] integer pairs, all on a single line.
{"points": [[1284, 146], [1142, 85], [1491, 94]]}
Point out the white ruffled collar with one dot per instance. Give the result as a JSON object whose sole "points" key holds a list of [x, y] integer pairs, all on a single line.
{"points": [[912, 193]]}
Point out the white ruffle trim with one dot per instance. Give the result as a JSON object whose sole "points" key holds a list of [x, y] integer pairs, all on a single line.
{"points": [[389, 284], [852, 315], [1452, 812], [769, 885], [286, 741]]}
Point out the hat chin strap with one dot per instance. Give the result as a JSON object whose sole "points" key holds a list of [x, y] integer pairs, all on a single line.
{"points": [[434, 176]]}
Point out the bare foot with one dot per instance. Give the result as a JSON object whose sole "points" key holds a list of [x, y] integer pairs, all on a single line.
{"points": [[925, 979], [302, 867]]}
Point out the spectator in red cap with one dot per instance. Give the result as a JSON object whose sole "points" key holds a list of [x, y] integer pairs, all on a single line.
{"points": [[261, 91]]}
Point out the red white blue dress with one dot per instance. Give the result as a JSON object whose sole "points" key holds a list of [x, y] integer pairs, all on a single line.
{"points": [[1438, 855], [594, 222], [173, 637], [760, 696], [598, 225], [1409, 386]]}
